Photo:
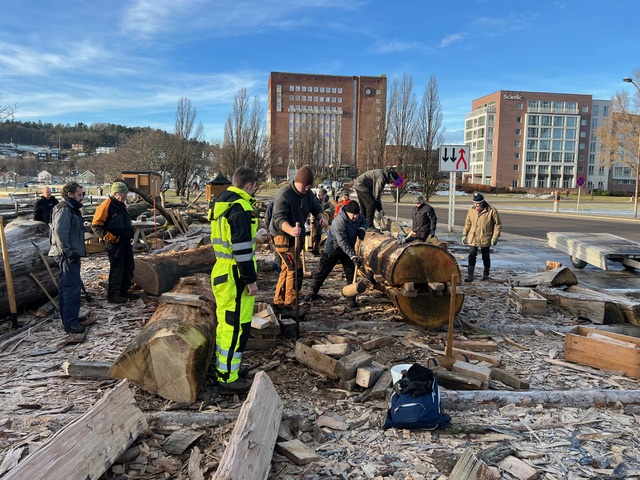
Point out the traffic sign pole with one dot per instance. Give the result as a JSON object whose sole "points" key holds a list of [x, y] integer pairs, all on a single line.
{"points": [[580, 182], [452, 201]]}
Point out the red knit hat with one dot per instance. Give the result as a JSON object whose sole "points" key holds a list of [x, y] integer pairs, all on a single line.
{"points": [[304, 175]]}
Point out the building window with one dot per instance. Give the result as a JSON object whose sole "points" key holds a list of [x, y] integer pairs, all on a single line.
{"points": [[291, 89], [518, 131], [333, 90], [516, 167], [581, 146], [322, 99], [534, 120], [339, 99], [583, 134], [321, 89], [339, 90], [585, 109], [519, 105], [297, 88], [304, 97], [516, 156], [304, 89], [518, 143], [518, 119], [291, 97], [605, 111], [583, 122]]}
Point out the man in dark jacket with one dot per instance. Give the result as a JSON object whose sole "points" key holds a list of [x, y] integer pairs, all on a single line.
{"points": [[43, 207], [424, 221], [112, 224], [67, 247], [291, 205], [369, 187], [346, 228], [324, 201]]}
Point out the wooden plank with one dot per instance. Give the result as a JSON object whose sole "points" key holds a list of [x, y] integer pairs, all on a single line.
{"points": [[316, 360], [477, 345], [456, 380], [89, 445], [87, 369], [335, 350], [297, 452], [378, 342], [480, 357], [509, 379], [254, 437], [347, 366], [474, 371], [260, 323]]}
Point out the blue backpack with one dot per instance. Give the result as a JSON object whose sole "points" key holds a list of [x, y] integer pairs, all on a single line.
{"points": [[415, 402]]}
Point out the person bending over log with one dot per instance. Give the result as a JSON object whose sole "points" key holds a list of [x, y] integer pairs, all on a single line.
{"points": [[346, 228], [234, 224]]}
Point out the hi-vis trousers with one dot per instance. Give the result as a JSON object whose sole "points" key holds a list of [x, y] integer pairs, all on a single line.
{"points": [[234, 310]]}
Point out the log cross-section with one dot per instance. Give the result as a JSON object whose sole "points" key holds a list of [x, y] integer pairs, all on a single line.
{"points": [[171, 355]]}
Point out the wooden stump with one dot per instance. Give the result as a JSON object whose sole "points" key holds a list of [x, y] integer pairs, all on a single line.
{"points": [[171, 355], [157, 274]]}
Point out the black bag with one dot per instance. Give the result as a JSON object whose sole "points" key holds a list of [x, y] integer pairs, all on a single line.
{"points": [[415, 402]]}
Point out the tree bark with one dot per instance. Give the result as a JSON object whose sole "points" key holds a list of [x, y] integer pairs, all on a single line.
{"points": [[557, 277], [157, 274], [584, 305], [24, 259], [466, 400], [171, 355]]}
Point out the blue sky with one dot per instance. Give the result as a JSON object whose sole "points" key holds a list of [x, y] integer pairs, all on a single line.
{"points": [[129, 62]]}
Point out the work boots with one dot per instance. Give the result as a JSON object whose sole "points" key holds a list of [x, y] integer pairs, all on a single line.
{"points": [[240, 387], [117, 298], [485, 274], [470, 271]]}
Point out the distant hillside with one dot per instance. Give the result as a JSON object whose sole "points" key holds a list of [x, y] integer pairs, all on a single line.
{"points": [[48, 134]]}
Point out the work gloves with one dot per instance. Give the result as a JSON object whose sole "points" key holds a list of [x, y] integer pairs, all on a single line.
{"points": [[432, 234], [361, 233], [355, 260], [463, 240], [401, 239], [73, 258], [494, 241]]}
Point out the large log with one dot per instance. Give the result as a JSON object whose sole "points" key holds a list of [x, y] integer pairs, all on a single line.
{"points": [[415, 276], [171, 355], [558, 277], [87, 447], [24, 259], [467, 400], [157, 274]]}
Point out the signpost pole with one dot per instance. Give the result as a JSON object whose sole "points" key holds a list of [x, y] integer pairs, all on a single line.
{"points": [[397, 202], [578, 205], [452, 201]]}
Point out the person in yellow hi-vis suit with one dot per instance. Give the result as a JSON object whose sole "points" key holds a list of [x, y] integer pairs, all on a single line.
{"points": [[234, 224]]}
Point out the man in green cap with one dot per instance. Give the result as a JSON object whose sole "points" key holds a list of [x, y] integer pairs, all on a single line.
{"points": [[112, 224]]}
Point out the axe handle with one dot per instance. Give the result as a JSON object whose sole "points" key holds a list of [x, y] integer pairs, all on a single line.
{"points": [[48, 267], [55, 304]]}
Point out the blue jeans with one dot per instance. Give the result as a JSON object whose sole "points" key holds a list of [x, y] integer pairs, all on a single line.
{"points": [[69, 291]]}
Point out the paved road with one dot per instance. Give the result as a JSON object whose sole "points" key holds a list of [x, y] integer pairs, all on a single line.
{"points": [[535, 224]]}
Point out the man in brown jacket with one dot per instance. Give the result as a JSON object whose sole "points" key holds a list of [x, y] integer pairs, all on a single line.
{"points": [[481, 230]]}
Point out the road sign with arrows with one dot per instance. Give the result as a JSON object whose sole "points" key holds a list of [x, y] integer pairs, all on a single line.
{"points": [[454, 158]]}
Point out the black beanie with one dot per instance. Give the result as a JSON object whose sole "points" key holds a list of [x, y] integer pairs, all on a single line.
{"points": [[477, 198], [352, 207], [304, 175]]}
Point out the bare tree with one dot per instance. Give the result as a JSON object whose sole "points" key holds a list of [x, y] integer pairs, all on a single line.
{"points": [[308, 144], [401, 120], [7, 112], [244, 136], [429, 137], [187, 146], [144, 151], [372, 143], [619, 136]]}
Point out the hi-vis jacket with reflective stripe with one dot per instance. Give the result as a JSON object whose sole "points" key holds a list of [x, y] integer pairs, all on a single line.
{"points": [[234, 224]]}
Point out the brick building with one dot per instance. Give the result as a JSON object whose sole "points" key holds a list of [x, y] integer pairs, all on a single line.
{"points": [[535, 141], [337, 111]]}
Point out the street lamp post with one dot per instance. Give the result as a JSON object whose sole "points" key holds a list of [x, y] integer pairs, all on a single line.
{"points": [[635, 197]]}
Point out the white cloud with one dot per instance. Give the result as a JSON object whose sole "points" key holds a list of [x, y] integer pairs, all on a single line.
{"points": [[449, 39], [394, 46]]}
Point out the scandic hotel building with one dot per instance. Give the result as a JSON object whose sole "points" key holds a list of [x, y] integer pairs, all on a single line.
{"points": [[338, 107], [535, 140]]}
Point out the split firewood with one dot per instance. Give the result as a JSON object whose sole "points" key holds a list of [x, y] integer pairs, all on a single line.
{"points": [[87, 447], [470, 467], [250, 448]]}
